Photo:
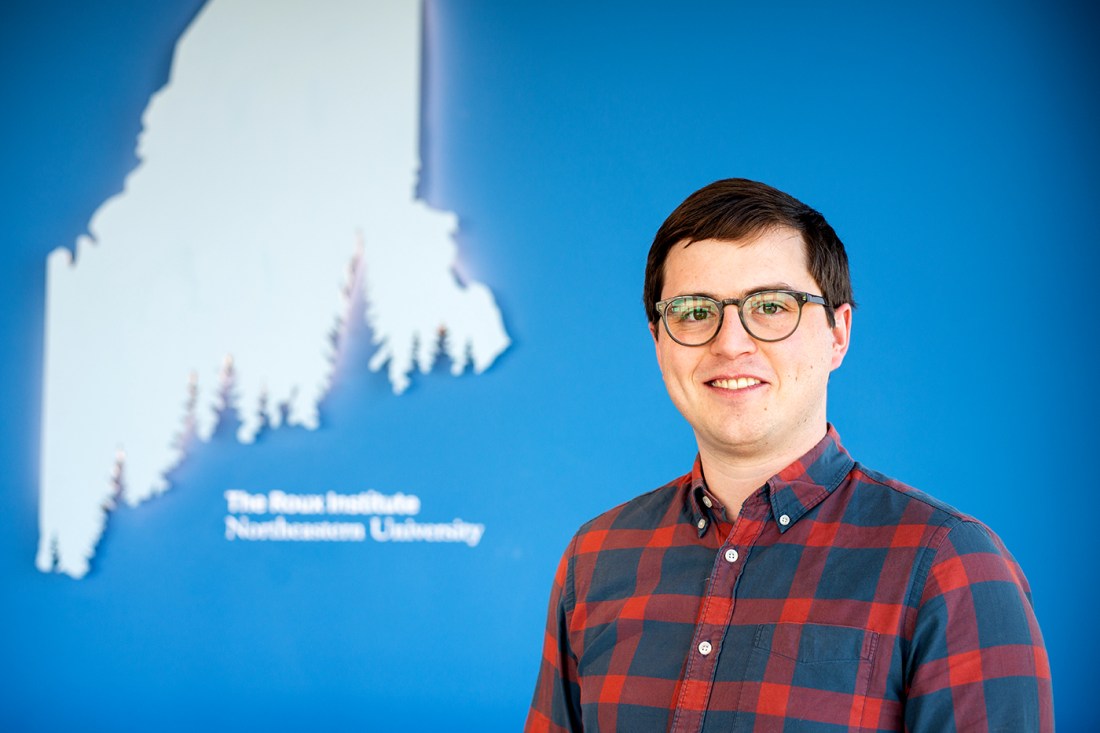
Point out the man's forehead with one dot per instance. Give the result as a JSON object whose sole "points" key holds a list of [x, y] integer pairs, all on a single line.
{"points": [[722, 268], [780, 250]]}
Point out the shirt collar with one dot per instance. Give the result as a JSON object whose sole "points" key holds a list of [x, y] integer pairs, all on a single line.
{"points": [[801, 486], [792, 492], [703, 503]]}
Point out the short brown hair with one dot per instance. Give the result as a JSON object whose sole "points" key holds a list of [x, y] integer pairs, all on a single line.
{"points": [[736, 208]]}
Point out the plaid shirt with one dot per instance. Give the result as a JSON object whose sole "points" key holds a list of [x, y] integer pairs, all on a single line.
{"points": [[838, 599]]}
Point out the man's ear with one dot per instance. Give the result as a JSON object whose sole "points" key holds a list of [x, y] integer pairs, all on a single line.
{"points": [[656, 345], [842, 333]]}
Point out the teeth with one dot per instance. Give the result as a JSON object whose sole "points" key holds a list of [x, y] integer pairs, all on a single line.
{"points": [[739, 383]]}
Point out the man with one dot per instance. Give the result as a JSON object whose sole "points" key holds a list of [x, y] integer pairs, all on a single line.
{"points": [[779, 585]]}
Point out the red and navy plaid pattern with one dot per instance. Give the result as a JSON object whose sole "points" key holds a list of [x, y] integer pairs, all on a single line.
{"points": [[838, 600]]}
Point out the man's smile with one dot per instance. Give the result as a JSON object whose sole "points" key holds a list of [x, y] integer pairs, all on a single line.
{"points": [[737, 383]]}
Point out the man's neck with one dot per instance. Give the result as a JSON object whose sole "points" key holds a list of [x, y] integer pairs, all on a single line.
{"points": [[733, 478]]}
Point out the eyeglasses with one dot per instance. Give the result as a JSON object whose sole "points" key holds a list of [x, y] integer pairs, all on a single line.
{"points": [[770, 315]]}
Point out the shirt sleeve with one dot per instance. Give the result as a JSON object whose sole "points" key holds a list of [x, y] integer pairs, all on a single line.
{"points": [[556, 704], [977, 660]]}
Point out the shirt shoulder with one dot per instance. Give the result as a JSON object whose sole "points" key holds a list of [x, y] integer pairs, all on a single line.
{"points": [[939, 512], [949, 531], [651, 510]]}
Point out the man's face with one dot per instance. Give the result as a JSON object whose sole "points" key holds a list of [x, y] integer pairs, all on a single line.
{"points": [[749, 400]]}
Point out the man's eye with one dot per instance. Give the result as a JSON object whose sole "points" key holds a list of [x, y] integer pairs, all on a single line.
{"points": [[769, 308], [696, 314], [690, 311], [772, 306]]}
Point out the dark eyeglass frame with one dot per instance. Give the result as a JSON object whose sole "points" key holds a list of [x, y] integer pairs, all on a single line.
{"points": [[800, 297]]}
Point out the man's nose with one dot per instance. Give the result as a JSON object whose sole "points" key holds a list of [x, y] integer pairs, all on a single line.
{"points": [[732, 339]]}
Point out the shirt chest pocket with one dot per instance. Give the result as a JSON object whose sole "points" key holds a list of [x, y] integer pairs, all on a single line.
{"points": [[811, 673]]}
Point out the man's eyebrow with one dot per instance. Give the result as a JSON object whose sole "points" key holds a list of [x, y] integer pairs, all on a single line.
{"points": [[746, 293], [769, 286]]}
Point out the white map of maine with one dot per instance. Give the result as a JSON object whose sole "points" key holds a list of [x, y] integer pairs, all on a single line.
{"points": [[283, 152]]}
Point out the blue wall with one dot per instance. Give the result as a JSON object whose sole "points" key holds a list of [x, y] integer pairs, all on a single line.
{"points": [[954, 149]]}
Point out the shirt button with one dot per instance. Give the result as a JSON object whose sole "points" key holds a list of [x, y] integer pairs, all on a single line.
{"points": [[701, 524], [784, 519], [731, 555], [707, 502], [705, 648]]}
